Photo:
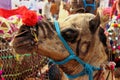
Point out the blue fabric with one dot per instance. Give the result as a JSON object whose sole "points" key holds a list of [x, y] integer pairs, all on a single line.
{"points": [[88, 69], [89, 5]]}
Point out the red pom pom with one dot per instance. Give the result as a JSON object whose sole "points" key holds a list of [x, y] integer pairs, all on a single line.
{"points": [[115, 25], [29, 18]]}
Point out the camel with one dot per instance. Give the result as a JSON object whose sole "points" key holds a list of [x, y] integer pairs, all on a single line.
{"points": [[79, 6], [83, 36]]}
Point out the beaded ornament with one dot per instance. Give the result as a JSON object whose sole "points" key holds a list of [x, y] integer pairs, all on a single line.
{"points": [[113, 33]]}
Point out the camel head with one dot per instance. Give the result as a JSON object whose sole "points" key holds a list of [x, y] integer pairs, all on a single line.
{"points": [[82, 32]]}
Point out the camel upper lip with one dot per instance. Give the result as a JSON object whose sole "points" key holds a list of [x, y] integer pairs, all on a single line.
{"points": [[18, 35]]}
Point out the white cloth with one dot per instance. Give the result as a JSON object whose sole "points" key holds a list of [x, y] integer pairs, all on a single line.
{"points": [[30, 4], [40, 5], [104, 3], [46, 10], [15, 4]]}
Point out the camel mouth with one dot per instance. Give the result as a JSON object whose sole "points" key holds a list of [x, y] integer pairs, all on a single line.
{"points": [[23, 46], [24, 50]]}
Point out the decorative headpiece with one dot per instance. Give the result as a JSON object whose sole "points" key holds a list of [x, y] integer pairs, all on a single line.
{"points": [[113, 32], [29, 18]]}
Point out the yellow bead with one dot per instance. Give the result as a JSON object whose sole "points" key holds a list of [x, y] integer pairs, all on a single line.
{"points": [[118, 25], [17, 57], [112, 24]]}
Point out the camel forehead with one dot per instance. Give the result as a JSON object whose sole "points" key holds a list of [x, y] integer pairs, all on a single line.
{"points": [[78, 21]]}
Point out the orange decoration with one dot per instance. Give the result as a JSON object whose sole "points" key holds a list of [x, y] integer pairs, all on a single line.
{"points": [[115, 25]]}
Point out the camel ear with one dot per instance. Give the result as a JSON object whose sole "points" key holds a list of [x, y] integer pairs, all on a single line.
{"points": [[94, 23]]}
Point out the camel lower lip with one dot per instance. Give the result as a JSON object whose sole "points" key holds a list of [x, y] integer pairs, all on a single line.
{"points": [[19, 51], [23, 50], [23, 43]]}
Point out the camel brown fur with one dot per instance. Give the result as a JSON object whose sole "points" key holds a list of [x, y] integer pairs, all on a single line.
{"points": [[81, 31]]}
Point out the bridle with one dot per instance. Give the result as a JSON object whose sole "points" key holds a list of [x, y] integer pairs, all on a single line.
{"points": [[88, 69]]}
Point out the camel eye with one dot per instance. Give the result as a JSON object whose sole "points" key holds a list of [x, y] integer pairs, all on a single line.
{"points": [[70, 35]]}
